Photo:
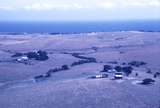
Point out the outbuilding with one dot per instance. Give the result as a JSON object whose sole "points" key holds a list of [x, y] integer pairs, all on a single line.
{"points": [[23, 58]]}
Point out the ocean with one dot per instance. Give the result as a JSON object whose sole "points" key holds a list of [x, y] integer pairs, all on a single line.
{"points": [[79, 27]]}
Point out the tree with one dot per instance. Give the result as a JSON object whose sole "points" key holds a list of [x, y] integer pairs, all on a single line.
{"points": [[118, 68], [106, 68]]}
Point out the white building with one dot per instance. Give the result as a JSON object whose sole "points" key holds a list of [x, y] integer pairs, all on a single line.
{"points": [[23, 58]]}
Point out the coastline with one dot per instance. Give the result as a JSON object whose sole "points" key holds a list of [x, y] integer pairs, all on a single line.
{"points": [[72, 33]]}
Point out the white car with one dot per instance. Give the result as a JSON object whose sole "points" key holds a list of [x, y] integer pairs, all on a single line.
{"points": [[118, 75]]}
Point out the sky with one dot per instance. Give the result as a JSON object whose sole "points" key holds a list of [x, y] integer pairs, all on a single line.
{"points": [[79, 10]]}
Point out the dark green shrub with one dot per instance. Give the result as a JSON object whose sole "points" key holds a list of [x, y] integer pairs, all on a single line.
{"points": [[147, 81]]}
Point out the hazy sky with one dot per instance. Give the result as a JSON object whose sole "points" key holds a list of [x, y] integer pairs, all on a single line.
{"points": [[51, 10]]}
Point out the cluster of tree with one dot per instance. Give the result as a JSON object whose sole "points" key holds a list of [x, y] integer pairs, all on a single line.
{"points": [[106, 68], [39, 55], [82, 57], [126, 69], [157, 74], [137, 63], [80, 62], [64, 67], [41, 77], [147, 81], [48, 74]]}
